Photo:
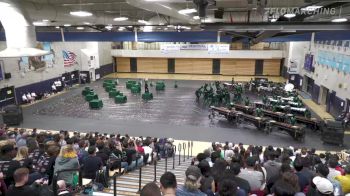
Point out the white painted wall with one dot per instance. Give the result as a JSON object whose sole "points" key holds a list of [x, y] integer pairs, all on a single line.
{"points": [[237, 54], [83, 50], [323, 76]]}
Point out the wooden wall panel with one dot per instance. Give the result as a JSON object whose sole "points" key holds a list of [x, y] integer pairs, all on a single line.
{"points": [[237, 67], [152, 65], [272, 67], [123, 64], [194, 66]]}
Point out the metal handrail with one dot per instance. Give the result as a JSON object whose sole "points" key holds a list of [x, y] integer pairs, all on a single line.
{"points": [[179, 154]]}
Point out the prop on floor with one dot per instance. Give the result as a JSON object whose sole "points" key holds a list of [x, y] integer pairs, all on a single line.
{"points": [[130, 83], [147, 96], [92, 98], [160, 86], [120, 99], [175, 85]]}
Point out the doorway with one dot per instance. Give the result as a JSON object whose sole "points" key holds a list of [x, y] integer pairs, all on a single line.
{"points": [[347, 105], [309, 85], [323, 95]]}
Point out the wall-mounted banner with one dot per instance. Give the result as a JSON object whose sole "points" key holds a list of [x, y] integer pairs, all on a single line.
{"points": [[211, 48], [194, 47], [166, 48], [218, 48]]}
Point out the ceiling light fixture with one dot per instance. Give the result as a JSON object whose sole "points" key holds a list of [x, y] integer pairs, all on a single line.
{"points": [[109, 27], [121, 18], [167, 7], [187, 11], [143, 22], [67, 25], [38, 23], [81, 13], [45, 20], [311, 8], [130, 26], [147, 29], [3, 4], [87, 23], [340, 20], [273, 20], [196, 17], [289, 15], [80, 28], [57, 27]]}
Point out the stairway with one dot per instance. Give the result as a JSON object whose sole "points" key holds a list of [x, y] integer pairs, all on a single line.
{"points": [[128, 184]]}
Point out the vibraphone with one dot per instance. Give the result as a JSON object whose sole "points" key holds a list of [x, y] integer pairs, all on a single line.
{"points": [[230, 115], [257, 121], [297, 132], [244, 109], [310, 122], [278, 116]]}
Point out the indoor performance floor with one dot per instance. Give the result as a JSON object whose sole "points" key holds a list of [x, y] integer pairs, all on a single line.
{"points": [[173, 113]]}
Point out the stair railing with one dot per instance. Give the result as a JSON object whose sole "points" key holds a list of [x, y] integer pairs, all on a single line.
{"points": [[174, 155], [179, 154], [184, 148]]}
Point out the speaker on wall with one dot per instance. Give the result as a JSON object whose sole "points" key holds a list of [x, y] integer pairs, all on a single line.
{"points": [[7, 75]]}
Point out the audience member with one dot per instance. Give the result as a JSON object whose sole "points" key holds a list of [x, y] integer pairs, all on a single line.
{"points": [[168, 184], [345, 180], [67, 159], [91, 164], [150, 189], [192, 183]]}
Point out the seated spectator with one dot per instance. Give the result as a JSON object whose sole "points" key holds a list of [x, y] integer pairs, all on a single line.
{"points": [[168, 184], [7, 164], [25, 99], [345, 180], [228, 187], [150, 189], [192, 183], [53, 88], [82, 153], [241, 183], [67, 159], [20, 188], [282, 188], [207, 180], [272, 169], [23, 158], [30, 98], [332, 164], [91, 164], [323, 171], [303, 180], [34, 96], [323, 186], [103, 153], [254, 177], [46, 163]]}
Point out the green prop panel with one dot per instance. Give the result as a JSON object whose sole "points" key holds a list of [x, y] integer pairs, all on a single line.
{"points": [[113, 93], [108, 83], [87, 91], [95, 104], [147, 96], [120, 99], [160, 86], [130, 83], [90, 97]]}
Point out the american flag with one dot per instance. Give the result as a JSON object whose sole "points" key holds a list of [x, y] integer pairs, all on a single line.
{"points": [[69, 58]]}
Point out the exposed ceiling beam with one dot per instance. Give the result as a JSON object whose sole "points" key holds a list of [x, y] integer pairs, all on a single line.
{"points": [[263, 35], [278, 26]]}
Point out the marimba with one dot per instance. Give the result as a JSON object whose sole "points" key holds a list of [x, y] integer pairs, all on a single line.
{"points": [[297, 132]]}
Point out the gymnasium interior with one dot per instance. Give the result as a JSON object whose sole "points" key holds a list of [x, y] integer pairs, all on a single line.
{"points": [[175, 97]]}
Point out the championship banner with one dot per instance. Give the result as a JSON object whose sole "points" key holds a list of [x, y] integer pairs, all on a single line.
{"points": [[218, 48]]}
